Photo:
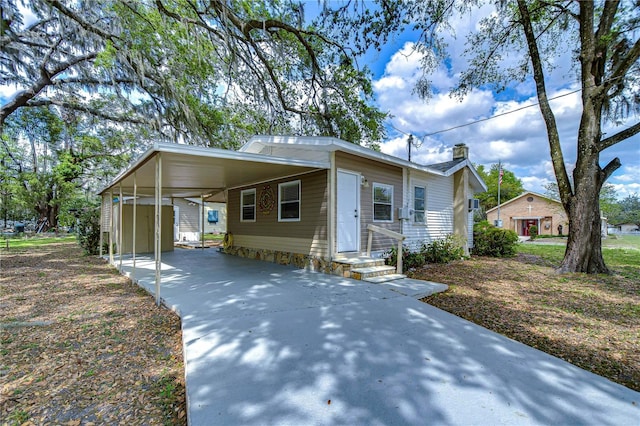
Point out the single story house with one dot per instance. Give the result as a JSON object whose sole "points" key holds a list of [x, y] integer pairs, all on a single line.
{"points": [[531, 209], [624, 228], [304, 200]]}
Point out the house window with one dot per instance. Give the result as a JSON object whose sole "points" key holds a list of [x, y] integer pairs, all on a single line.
{"points": [[382, 202], [419, 197], [289, 201], [248, 205]]}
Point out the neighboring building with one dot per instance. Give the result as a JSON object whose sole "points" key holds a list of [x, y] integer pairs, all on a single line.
{"points": [[311, 199], [528, 209], [187, 215], [624, 228], [189, 218]]}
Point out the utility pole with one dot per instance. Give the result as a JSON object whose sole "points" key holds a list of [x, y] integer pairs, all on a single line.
{"points": [[498, 221]]}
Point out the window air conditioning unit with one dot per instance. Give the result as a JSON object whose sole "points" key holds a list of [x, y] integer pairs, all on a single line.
{"points": [[474, 204]]}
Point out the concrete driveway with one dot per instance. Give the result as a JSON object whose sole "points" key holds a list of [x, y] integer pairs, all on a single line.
{"points": [[266, 344]]}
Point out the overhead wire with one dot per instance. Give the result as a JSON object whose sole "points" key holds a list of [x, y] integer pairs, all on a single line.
{"points": [[480, 120]]}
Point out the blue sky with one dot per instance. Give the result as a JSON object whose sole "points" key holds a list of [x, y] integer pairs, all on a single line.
{"points": [[518, 140]]}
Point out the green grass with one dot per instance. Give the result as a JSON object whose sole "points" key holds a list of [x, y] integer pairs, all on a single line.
{"points": [[213, 237], [623, 260], [23, 243], [622, 241]]}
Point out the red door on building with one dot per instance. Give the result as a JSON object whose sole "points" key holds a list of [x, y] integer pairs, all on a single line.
{"points": [[526, 224]]}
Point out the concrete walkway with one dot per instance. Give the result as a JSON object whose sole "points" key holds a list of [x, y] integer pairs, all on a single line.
{"points": [[266, 344]]}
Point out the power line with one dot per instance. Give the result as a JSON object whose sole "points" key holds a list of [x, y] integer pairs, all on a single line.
{"points": [[501, 114], [485, 119]]}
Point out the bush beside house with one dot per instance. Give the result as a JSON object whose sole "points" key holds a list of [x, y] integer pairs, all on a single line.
{"points": [[439, 251], [495, 242]]}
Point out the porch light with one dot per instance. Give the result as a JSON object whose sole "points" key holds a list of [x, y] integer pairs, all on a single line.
{"points": [[364, 182]]}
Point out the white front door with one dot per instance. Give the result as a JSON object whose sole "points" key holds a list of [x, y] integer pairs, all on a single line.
{"points": [[348, 208]]}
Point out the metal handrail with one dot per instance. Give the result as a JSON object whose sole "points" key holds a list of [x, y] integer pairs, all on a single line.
{"points": [[389, 233]]}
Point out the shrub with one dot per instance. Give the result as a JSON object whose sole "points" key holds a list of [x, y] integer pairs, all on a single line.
{"points": [[409, 259], [492, 241], [89, 229], [444, 250], [533, 232], [439, 251]]}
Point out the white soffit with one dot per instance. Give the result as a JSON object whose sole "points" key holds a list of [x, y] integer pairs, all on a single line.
{"points": [[189, 171]]}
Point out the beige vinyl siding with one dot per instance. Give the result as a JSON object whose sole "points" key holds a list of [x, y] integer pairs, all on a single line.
{"points": [[312, 246], [312, 226], [439, 209], [374, 171], [189, 215]]}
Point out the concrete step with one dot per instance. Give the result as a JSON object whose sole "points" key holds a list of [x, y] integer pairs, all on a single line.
{"points": [[360, 262], [371, 271], [384, 278]]}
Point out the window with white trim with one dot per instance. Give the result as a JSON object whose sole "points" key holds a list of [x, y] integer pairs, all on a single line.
{"points": [[289, 201], [382, 202], [419, 202], [248, 205]]}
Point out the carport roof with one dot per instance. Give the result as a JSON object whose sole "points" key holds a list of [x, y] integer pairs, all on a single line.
{"points": [[191, 171]]}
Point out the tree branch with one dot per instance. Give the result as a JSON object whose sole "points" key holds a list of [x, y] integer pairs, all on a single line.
{"points": [[76, 18], [608, 170], [88, 110], [624, 65], [607, 18], [23, 97], [92, 81], [557, 158], [619, 137]]}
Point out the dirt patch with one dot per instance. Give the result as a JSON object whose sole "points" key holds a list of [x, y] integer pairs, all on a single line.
{"points": [[81, 344], [592, 321]]}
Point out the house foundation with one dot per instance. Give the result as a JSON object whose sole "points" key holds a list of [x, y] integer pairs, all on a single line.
{"points": [[302, 261]]}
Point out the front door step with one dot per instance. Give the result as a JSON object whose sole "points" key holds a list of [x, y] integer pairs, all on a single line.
{"points": [[365, 268], [371, 271]]}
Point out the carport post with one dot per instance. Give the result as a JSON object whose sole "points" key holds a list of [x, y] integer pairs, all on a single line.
{"points": [[101, 221], [133, 242], [111, 227], [158, 224], [202, 222], [120, 226]]}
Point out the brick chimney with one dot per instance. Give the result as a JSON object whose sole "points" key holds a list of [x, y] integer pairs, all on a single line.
{"points": [[460, 150]]}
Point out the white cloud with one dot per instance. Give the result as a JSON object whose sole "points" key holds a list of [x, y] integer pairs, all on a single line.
{"points": [[518, 139], [535, 182], [8, 91]]}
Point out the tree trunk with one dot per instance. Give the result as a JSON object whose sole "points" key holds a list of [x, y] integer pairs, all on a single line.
{"points": [[49, 211], [584, 243]]}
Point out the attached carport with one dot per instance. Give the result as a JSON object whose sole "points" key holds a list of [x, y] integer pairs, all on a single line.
{"points": [[181, 171]]}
